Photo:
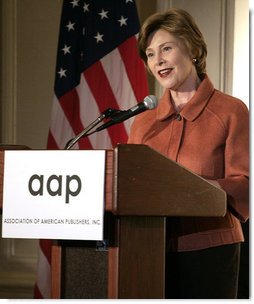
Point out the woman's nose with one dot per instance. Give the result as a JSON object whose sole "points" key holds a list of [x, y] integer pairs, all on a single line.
{"points": [[160, 60]]}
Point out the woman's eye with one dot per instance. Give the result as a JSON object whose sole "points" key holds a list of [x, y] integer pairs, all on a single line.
{"points": [[166, 48], [149, 55]]}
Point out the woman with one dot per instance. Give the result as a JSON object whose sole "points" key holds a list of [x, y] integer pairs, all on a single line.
{"points": [[206, 131]]}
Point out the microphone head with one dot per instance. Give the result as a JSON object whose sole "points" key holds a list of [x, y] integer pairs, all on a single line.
{"points": [[150, 102]]}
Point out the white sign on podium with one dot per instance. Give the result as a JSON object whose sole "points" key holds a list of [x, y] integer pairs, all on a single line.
{"points": [[53, 194]]}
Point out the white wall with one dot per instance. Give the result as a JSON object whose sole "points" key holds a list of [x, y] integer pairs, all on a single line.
{"points": [[241, 62]]}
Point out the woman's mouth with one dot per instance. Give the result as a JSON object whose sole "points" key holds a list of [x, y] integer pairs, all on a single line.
{"points": [[165, 72]]}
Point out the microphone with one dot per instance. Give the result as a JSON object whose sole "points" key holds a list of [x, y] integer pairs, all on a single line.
{"points": [[107, 113], [150, 102]]}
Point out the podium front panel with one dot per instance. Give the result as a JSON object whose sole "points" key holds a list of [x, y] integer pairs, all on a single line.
{"points": [[85, 272]]}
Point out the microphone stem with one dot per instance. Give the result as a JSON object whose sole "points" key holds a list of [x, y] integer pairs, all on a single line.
{"points": [[72, 142]]}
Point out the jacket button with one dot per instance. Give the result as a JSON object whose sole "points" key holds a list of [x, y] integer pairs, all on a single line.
{"points": [[178, 117]]}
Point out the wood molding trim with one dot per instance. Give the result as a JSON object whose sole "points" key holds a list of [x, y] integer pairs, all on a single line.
{"points": [[8, 71]]}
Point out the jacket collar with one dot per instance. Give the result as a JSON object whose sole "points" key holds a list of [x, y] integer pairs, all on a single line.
{"points": [[193, 108]]}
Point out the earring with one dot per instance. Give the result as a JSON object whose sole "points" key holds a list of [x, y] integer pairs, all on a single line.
{"points": [[194, 60]]}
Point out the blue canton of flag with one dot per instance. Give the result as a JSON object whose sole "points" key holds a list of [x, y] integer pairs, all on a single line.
{"points": [[89, 31]]}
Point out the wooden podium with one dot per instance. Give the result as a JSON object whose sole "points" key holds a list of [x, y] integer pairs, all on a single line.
{"points": [[143, 188]]}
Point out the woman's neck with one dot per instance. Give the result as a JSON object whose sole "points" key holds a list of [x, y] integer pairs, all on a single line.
{"points": [[181, 97]]}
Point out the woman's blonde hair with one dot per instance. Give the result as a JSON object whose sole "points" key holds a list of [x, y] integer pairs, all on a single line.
{"points": [[183, 26]]}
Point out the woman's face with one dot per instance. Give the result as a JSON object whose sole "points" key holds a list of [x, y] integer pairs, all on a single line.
{"points": [[169, 61]]}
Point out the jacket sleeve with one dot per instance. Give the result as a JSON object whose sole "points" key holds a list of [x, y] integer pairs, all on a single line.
{"points": [[236, 181]]}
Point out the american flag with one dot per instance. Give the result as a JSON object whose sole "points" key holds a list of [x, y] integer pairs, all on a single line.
{"points": [[98, 67]]}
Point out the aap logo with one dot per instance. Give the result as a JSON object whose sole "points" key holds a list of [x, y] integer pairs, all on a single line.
{"points": [[54, 185]]}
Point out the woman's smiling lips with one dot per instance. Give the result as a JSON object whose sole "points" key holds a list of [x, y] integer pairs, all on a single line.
{"points": [[165, 72]]}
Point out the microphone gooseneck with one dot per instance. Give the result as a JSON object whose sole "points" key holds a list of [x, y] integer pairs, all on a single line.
{"points": [[107, 113], [116, 116], [149, 103]]}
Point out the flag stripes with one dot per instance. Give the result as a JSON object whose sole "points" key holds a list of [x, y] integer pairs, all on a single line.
{"points": [[97, 67]]}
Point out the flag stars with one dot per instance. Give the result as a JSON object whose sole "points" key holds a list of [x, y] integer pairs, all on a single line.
{"points": [[66, 49], [126, 1], [123, 21], [86, 7], [70, 26], [103, 14], [62, 73], [98, 37], [74, 3]]}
